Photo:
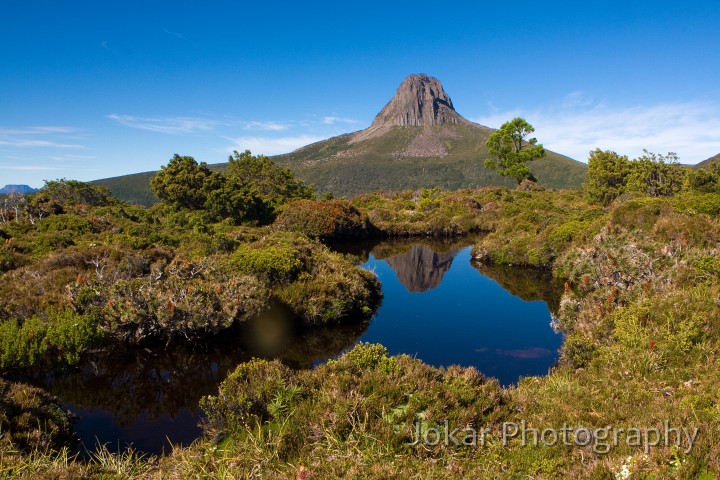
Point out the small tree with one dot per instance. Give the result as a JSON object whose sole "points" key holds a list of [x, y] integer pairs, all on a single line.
{"points": [[511, 151], [184, 183], [275, 184], [252, 190], [59, 195], [656, 175], [606, 176]]}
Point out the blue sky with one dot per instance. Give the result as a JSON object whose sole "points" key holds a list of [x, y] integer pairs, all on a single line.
{"points": [[93, 89]]}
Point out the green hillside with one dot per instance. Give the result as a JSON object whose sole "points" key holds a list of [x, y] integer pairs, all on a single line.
{"points": [[346, 167], [709, 161]]}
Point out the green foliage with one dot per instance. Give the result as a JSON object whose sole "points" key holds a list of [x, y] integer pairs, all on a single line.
{"points": [[606, 177], [326, 220], [566, 233], [428, 198], [708, 203], [656, 175], [704, 180], [371, 356], [66, 223], [275, 185], [61, 337], [251, 191], [183, 183], [240, 202], [512, 151], [58, 196], [641, 213], [276, 263], [31, 420]]}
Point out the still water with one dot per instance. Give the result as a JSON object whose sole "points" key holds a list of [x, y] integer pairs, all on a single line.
{"points": [[438, 306]]}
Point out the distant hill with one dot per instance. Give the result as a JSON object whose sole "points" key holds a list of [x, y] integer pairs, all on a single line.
{"points": [[134, 188], [417, 140], [24, 189], [706, 163]]}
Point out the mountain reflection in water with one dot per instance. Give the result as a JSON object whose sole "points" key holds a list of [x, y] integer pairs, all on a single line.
{"points": [[421, 268]]}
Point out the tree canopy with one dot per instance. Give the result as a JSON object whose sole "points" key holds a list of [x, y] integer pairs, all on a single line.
{"points": [[511, 151], [655, 175], [606, 177], [252, 190]]}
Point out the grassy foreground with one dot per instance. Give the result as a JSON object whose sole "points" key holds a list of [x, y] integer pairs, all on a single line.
{"points": [[636, 394]]}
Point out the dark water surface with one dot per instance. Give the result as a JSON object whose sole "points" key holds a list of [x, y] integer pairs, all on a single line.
{"points": [[438, 305], [445, 309]]}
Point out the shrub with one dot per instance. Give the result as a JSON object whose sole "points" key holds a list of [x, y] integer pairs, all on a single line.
{"points": [[247, 396], [275, 262], [61, 337], [578, 351], [566, 233], [371, 356], [640, 213], [31, 420], [65, 223], [708, 203], [326, 220]]}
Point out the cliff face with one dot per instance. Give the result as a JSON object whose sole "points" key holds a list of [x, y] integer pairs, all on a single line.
{"points": [[420, 100], [421, 268]]}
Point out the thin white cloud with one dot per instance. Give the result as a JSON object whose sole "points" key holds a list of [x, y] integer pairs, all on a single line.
{"points": [[54, 137], [26, 143], [175, 34], [168, 125], [266, 126], [31, 168], [332, 120], [578, 125], [271, 145], [36, 130]]}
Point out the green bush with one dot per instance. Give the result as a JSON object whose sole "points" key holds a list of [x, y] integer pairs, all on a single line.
{"points": [[578, 351], [323, 219], [65, 223], [371, 356], [275, 262], [565, 233], [249, 395], [708, 203], [61, 337], [639, 213]]}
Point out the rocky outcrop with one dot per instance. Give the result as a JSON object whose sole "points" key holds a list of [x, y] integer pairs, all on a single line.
{"points": [[421, 268], [420, 100]]}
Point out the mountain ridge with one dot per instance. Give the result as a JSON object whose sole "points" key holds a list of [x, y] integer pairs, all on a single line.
{"points": [[17, 188]]}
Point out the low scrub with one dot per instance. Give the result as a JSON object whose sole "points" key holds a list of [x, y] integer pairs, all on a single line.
{"points": [[327, 220]]}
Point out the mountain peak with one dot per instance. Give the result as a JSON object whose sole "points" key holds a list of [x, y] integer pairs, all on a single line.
{"points": [[8, 189], [419, 100]]}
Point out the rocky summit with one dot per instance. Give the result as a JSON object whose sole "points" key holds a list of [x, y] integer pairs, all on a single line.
{"points": [[419, 100]]}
